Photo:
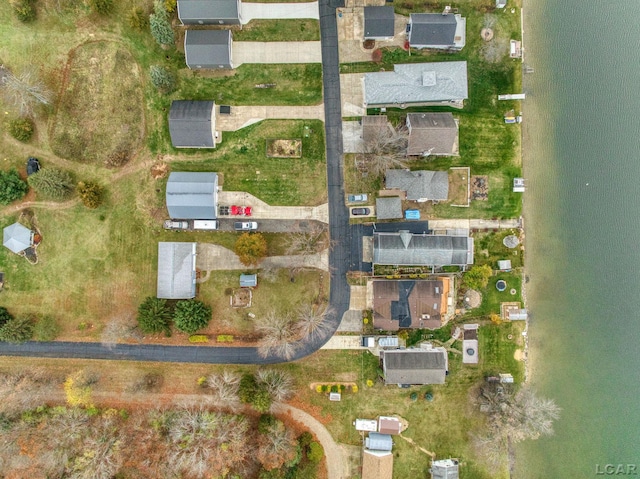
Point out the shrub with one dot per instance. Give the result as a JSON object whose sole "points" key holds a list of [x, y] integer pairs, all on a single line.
{"points": [[224, 338], [17, 330], [315, 452], [478, 277], [118, 158], [160, 25], [265, 423], [170, 5], [46, 329], [334, 388], [318, 388], [376, 55], [5, 316], [325, 388], [103, 7], [354, 388], [90, 193], [369, 383], [52, 183], [342, 388], [21, 129], [198, 338], [23, 10], [154, 316], [138, 18], [305, 439], [11, 186], [191, 315], [248, 387], [162, 78]]}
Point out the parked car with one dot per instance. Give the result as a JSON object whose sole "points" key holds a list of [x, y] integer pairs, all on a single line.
{"points": [[176, 225], [245, 225], [360, 211], [33, 166], [358, 198]]}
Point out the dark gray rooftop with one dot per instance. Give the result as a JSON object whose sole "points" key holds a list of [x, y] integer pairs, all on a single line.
{"points": [[378, 22], [207, 12], [192, 124], [388, 208], [414, 366], [432, 29], [417, 83], [192, 196], [432, 133], [208, 49], [421, 185], [404, 248], [176, 270]]}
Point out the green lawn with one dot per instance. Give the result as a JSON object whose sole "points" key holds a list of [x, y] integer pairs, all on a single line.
{"points": [[490, 249], [283, 30]]}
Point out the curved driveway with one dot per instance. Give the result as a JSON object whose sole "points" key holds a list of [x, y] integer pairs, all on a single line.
{"points": [[339, 256]]}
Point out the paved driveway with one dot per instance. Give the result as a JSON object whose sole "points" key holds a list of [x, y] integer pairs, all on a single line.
{"points": [[243, 116], [276, 52], [352, 94], [352, 137], [263, 210], [274, 11]]}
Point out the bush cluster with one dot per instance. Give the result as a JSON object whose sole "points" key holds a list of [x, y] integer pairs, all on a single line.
{"points": [[118, 158], [90, 193], [15, 330], [24, 10], [163, 79], [11, 186], [155, 315], [161, 25], [138, 19], [103, 7], [21, 129]]}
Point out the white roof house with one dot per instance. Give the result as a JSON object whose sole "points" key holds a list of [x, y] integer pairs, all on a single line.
{"points": [[176, 270]]}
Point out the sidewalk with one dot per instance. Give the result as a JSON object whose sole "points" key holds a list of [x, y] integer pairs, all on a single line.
{"points": [[262, 210], [452, 224]]}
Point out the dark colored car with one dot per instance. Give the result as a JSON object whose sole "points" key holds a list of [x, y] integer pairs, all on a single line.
{"points": [[33, 166], [360, 211]]}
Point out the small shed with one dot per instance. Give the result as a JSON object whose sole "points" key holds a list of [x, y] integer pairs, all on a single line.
{"points": [[208, 49], [368, 425], [379, 442], [389, 425], [17, 238], [444, 469], [501, 3], [518, 185], [388, 208], [248, 280], [504, 265]]}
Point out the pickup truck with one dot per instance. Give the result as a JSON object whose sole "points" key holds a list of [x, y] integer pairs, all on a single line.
{"points": [[176, 225], [245, 225]]}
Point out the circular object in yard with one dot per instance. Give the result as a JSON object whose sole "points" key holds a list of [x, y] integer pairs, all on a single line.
{"points": [[471, 351], [472, 299], [511, 241], [512, 291], [486, 34], [501, 285], [428, 396], [510, 336]]}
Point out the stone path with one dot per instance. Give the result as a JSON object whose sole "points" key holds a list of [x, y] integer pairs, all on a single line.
{"points": [[276, 52], [276, 11], [262, 210], [449, 224], [243, 116]]}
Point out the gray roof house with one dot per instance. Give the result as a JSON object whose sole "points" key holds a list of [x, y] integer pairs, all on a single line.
{"points": [[192, 196], [416, 84], [407, 249], [423, 365], [444, 469], [208, 49], [192, 124], [209, 12], [176, 270], [436, 30], [378, 442], [378, 23], [432, 134], [388, 208], [421, 185]]}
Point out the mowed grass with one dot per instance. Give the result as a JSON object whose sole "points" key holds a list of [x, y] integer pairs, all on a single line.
{"points": [[282, 30], [278, 181], [99, 109]]}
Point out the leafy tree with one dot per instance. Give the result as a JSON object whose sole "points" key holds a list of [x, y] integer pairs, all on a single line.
{"points": [[46, 329], [24, 10], [248, 387], [161, 25], [52, 183], [251, 248], [103, 7], [315, 452], [21, 129], [17, 330], [261, 400], [11, 186], [90, 193], [163, 79], [478, 276], [265, 423], [191, 315], [5, 316], [138, 18], [154, 316]]}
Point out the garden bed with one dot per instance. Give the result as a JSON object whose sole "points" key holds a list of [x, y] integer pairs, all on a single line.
{"points": [[280, 148]]}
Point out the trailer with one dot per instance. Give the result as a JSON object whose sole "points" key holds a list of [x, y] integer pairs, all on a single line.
{"points": [[205, 225]]}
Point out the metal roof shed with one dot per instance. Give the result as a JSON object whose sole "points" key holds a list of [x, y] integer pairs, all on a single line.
{"points": [[379, 442], [17, 237], [208, 49], [176, 270], [192, 124], [209, 12], [192, 196], [248, 280]]}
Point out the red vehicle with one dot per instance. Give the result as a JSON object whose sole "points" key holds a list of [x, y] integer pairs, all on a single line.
{"points": [[241, 210]]}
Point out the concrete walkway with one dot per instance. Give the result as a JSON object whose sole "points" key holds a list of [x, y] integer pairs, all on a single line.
{"points": [[344, 342], [351, 94], [262, 210], [213, 257], [450, 224], [352, 137], [275, 11], [276, 52], [243, 116]]}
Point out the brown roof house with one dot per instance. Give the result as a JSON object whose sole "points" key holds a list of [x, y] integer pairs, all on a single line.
{"points": [[410, 304], [377, 464], [432, 134], [424, 365]]}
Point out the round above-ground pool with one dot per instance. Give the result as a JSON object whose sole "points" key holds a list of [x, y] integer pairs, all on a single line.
{"points": [[501, 285]]}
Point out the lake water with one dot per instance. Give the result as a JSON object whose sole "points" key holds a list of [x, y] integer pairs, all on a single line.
{"points": [[582, 212]]}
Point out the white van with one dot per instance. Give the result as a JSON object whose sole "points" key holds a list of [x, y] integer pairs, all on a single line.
{"points": [[205, 225]]}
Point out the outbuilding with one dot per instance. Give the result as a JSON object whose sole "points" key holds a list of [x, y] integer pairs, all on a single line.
{"points": [[192, 124], [208, 49]]}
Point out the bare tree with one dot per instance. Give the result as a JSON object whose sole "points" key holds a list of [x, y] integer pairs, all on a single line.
{"points": [[24, 390], [100, 456], [387, 150], [224, 388], [311, 241], [312, 322], [25, 91], [278, 336], [277, 447], [278, 383]]}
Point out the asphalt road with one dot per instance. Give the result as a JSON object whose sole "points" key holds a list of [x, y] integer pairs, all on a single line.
{"points": [[340, 256]]}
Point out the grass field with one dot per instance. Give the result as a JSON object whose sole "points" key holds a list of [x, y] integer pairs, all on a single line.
{"points": [[299, 30]]}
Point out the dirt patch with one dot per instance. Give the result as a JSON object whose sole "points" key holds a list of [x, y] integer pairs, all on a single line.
{"points": [[480, 188], [284, 148], [159, 170], [459, 186], [99, 111], [241, 298]]}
